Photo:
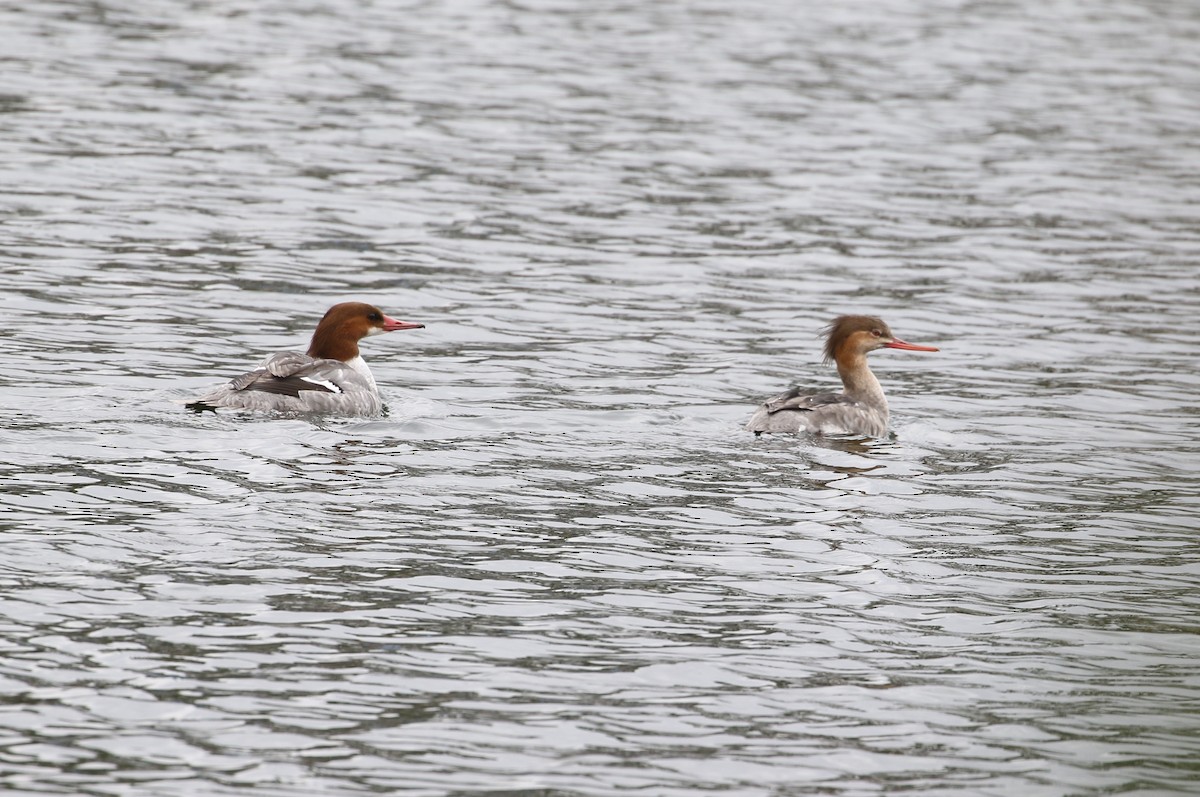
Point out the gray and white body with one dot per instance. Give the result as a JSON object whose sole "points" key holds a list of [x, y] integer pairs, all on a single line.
{"points": [[331, 378], [861, 407]]}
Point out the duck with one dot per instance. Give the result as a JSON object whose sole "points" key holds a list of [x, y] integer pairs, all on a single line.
{"points": [[330, 378], [860, 409]]}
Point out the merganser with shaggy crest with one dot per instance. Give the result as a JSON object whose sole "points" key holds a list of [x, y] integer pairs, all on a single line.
{"points": [[332, 378], [861, 408]]}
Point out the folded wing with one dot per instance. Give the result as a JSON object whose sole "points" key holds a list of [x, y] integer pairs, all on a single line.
{"points": [[294, 382], [797, 399], [291, 373]]}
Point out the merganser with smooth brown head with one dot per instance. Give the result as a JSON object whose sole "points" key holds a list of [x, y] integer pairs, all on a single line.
{"points": [[861, 408], [332, 378]]}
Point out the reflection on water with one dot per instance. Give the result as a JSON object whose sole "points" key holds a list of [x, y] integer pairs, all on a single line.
{"points": [[558, 564]]}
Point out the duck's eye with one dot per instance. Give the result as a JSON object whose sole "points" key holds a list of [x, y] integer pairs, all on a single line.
{"points": [[374, 317], [878, 333]]}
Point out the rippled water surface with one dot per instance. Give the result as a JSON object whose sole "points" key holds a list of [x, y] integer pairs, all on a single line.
{"points": [[558, 566]]}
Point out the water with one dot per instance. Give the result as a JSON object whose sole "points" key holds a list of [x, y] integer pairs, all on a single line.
{"points": [[558, 566]]}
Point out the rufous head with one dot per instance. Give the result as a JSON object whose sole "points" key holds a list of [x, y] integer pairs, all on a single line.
{"points": [[855, 335], [345, 324]]}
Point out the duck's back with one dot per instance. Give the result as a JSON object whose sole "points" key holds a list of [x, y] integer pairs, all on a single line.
{"points": [[797, 411], [295, 382]]}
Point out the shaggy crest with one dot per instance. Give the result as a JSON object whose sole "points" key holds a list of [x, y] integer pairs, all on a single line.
{"points": [[842, 327]]}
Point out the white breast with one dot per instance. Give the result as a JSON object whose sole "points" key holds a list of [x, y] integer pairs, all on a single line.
{"points": [[360, 365]]}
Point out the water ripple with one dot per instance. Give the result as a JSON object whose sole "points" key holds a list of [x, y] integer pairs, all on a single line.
{"points": [[557, 564]]}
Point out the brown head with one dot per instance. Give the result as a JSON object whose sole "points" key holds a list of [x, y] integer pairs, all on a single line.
{"points": [[345, 324], [852, 336]]}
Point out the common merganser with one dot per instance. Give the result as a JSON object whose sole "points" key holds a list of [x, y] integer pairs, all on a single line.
{"points": [[861, 408], [331, 378]]}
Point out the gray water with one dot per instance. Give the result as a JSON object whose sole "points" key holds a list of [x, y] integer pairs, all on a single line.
{"points": [[558, 566]]}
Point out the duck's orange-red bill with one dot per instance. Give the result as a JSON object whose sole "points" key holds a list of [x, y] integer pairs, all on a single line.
{"points": [[904, 344], [391, 325]]}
